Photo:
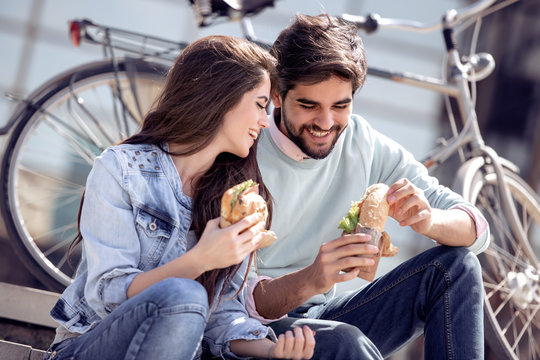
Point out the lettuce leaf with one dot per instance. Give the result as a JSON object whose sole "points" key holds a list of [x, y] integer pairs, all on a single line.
{"points": [[240, 188], [348, 223]]}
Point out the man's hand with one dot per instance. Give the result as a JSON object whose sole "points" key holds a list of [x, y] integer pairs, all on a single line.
{"points": [[409, 206], [339, 254]]}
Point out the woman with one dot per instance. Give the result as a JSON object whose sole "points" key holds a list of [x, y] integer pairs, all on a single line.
{"points": [[156, 268]]}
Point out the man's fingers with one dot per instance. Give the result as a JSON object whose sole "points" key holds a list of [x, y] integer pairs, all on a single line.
{"points": [[345, 240]]}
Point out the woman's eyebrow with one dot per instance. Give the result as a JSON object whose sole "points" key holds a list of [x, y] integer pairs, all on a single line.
{"points": [[265, 98]]}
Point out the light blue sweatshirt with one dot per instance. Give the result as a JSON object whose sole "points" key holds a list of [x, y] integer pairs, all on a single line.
{"points": [[311, 196]]}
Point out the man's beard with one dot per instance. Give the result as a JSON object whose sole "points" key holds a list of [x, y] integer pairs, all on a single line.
{"points": [[314, 153]]}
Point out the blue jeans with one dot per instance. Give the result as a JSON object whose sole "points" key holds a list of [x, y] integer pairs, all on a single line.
{"points": [[165, 321], [438, 292]]}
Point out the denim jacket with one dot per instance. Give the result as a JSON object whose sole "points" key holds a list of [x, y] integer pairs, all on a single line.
{"points": [[135, 217]]}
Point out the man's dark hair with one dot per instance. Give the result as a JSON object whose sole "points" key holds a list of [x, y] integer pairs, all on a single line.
{"points": [[314, 48]]}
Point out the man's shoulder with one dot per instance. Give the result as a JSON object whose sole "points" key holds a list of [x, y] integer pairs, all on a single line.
{"points": [[359, 122]]}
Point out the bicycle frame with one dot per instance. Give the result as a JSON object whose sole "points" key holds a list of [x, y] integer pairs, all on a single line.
{"points": [[457, 88]]}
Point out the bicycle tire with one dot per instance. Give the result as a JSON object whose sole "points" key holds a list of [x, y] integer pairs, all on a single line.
{"points": [[511, 286], [59, 130]]}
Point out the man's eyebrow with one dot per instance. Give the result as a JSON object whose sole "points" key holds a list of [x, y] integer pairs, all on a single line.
{"points": [[312, 102]]}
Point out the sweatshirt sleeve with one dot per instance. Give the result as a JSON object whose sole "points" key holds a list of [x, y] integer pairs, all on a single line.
{"points": [[391, 162]]}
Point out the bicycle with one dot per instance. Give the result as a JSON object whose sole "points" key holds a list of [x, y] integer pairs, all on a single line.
{"points": [[510, 265]]}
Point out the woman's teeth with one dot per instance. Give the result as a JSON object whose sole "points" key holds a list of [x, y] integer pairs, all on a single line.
{"points": [[253, 134]]}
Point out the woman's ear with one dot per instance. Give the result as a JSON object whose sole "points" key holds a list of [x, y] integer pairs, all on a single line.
{"points": [[276, 99]]}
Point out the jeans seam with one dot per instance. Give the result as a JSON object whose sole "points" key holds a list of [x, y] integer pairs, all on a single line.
{"points": [[448, 282]]}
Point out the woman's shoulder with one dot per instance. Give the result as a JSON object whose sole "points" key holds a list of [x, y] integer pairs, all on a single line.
{"points": [[135, 156]]}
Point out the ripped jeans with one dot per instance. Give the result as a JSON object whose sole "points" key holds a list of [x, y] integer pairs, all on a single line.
{"points": [[165, 321], [438, 292]]}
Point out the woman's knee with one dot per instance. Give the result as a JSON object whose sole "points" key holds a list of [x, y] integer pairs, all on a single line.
{"points": [[179, 291]]}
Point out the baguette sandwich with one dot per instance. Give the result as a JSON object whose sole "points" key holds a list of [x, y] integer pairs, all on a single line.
{"points": [[242, 200], [370, 212]]}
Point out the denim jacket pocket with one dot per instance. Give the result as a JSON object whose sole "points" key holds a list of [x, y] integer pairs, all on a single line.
{"points": [[154, 233]]}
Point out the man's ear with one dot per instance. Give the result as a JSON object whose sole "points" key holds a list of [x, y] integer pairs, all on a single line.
{"points": [[276, 99]]}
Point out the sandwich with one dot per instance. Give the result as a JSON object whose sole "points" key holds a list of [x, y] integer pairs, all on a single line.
{"points": [[370, 212], [242, 200]]}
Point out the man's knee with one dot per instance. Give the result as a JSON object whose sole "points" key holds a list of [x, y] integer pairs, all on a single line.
{"points": [[345, 341]]}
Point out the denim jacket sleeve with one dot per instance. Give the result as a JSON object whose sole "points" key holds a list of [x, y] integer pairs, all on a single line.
{"points": [[230, 321], [110, 237]]}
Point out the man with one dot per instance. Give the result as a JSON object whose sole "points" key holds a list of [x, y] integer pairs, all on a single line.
{"points": [[316, 158]]}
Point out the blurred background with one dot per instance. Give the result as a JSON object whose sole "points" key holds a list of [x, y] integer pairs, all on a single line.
{"points": [[35, 46]]}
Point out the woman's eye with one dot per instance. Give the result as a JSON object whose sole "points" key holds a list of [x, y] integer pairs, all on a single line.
{"points": [[261, 106]]}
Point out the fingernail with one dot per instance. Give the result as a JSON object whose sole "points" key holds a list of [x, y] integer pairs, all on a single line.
{"points": [[391, 198]]}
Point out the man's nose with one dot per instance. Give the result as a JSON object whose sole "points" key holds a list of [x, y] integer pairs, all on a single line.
{"points": [[325, 120]]}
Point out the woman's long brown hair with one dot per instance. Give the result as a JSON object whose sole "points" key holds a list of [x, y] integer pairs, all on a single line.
{"points": [[207, 80]]}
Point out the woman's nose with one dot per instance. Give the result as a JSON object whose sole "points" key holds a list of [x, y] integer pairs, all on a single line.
{"points": [[263, 121]]}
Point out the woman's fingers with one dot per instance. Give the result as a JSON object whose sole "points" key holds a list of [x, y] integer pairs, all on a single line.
{"points": [[309, 342], [296, 344]]}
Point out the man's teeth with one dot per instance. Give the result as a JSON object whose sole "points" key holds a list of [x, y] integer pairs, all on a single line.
{"points": [[318, 133], [253, 134]]}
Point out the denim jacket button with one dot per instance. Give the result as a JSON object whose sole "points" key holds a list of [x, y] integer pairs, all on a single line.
{"points": [[256, 332], [153, 226]]}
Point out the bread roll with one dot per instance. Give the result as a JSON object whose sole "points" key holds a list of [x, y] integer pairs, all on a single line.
{"points": [[242, 200], [371, 212]]}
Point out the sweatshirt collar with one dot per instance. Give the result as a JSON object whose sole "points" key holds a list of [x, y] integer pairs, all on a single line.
{"points": [[284, 143]]}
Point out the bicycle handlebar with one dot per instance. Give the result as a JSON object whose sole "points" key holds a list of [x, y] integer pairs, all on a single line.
{"points": [[451, 18]]}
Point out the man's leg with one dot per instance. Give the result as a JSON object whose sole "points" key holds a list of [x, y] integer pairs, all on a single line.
{"points": [[334, 340], [438, 291]]}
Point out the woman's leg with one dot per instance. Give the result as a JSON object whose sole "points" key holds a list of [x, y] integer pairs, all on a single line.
{"points": [[166, 321]]}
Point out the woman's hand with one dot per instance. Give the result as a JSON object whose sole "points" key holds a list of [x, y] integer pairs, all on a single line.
{"points": [[221, 248], [409, 206], [296, 344]]}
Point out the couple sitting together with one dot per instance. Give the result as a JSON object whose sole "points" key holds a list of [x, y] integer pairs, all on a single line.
{"points": [[161, 278]]}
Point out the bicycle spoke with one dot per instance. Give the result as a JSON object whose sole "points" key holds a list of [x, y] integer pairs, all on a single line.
{"points": [[79, 101], [61, 244], [503, 304], [495, 288], [82, 151], [524, 328]]}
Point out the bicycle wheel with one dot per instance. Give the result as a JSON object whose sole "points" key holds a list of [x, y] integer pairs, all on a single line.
{"points": [[510, 276], [59, 131]]}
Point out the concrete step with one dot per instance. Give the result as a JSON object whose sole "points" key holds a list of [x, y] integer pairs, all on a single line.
{"points": [[13, 351], [27, 305]]}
